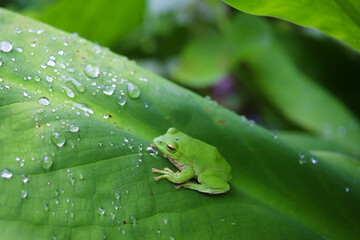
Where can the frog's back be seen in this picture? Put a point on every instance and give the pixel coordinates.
(210, 159)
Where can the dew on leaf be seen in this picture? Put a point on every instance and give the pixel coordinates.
(6, 46)
(25, 178)
(82, 107)
(50, 63)
(44, 101)
(78, 86)
(58, 139)
(122, 100)
(101, 211)
(73, 128)
(133, 90)
(109, 91)
(6, 173)
(23, 193)
(151, 151)
(49, 79)
(37, 78)
(46, 163)
(72, 181)
(70, 93)
(92, 71)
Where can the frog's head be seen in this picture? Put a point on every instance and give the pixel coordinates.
(169, 143)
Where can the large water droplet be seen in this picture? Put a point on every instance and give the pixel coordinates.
(79, 86)
(73, 128)
(82, 107)
(44, 101)
(122, 100)
(151, 151)
(92, 71)
(109, 90)
(37, 78)
(70, 93)
(58, 139)
(6, 46)
(50, 63)
(6, 173)
(46, 163)
(133, 90)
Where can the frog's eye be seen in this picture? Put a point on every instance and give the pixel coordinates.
(170, 148)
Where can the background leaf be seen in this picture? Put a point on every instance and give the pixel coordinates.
(74, 164)
(105, 22)
(337, 18)
(299, 98)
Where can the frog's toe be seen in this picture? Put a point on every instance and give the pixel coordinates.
(168, 169)
(178, 186)
(154, 170)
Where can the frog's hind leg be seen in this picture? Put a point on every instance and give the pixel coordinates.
(208, 184)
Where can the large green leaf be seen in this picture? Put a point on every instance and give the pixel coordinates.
(337, 18)
(74, 166)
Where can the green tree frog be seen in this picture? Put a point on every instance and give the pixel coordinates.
(194, 159)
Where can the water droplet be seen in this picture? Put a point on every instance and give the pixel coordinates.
(133, 90)
(314, 160)
(165, 220)
(132, 220)
(109, 90)
(58, 139)
(101, 211)
(6, 46)
(50, 63)
(82, 107)
(72, 181)
(47, 163)
(60, 52)
(44, 101)
(73, 128)
(70, 93)
(347, 189)
(100, 143)
(19, 49)
(122, 100)
(6, 173)
(78, 86)
(117, 195)
(92, 71)
(23, 194)
(151, 151)
(49, 79)
(113, 216)
(37, 78)
(25, 178)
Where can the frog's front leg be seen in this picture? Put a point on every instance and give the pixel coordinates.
(186, 173)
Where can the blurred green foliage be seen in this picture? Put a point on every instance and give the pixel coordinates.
(283, 76)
